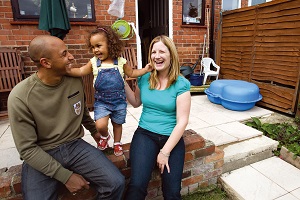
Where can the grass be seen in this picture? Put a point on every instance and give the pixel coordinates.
(209, 193)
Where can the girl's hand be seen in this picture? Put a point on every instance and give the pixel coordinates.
(148, 67)
(162, 162)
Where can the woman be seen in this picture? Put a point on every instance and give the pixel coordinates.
(166, 99)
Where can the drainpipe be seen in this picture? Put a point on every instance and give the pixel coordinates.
(138, 46)
(212, 27)
(137, 35)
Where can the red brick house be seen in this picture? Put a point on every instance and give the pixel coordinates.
(155, 17)
(186, 21)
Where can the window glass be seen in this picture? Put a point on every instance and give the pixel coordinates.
(193, 12)
(255, 2)
(78, 10)
(230, 4)
(29, 7)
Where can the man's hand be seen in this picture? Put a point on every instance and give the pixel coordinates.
(97, 137)
(76, 182)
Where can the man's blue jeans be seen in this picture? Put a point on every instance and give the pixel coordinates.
(144, 149)
(81, 158)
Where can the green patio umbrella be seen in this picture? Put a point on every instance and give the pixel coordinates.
(54, 18)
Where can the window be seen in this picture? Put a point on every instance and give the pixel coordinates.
(255, 2)
(193, 12)
(29, 10)
(231, 4)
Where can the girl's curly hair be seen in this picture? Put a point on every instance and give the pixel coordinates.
(115, 45)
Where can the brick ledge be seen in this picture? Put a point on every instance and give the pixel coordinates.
(202, 167)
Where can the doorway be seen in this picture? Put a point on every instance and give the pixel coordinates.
(153, 21)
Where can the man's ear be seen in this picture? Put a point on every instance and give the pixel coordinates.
(45, 62)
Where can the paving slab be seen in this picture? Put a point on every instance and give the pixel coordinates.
(249, 184)
(196, 123)
(268, 179)
(248, 147)
(239, 130)
(217, 136)
(9, 157)
(287, 197)
(296, 193)
(6, 140)
(214, 118)
(282, 173)
(4, 125)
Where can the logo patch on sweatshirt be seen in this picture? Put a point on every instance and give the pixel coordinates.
(77, 108)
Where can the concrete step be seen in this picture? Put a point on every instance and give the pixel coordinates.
(246, 152)
(269, 179)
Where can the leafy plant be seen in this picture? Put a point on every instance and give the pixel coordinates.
(286, 134)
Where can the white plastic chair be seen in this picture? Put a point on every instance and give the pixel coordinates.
(205, 66)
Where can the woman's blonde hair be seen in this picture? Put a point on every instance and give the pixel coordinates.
(174, 70)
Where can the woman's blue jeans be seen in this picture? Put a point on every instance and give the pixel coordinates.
(81, 158)
(144, 149)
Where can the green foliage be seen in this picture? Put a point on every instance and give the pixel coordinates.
(287, 135)
(297, 119)
(214, 194)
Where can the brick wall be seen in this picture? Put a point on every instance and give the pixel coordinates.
(19, 34)
(202, 167)
(188, 39)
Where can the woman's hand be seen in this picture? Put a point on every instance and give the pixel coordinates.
(163, 161)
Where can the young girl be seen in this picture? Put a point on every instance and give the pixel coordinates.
(108, 69)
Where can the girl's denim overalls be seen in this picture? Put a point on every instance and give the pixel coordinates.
(110, 98)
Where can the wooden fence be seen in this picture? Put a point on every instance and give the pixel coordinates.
(261, 44)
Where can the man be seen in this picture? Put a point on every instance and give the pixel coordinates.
(46, 111)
